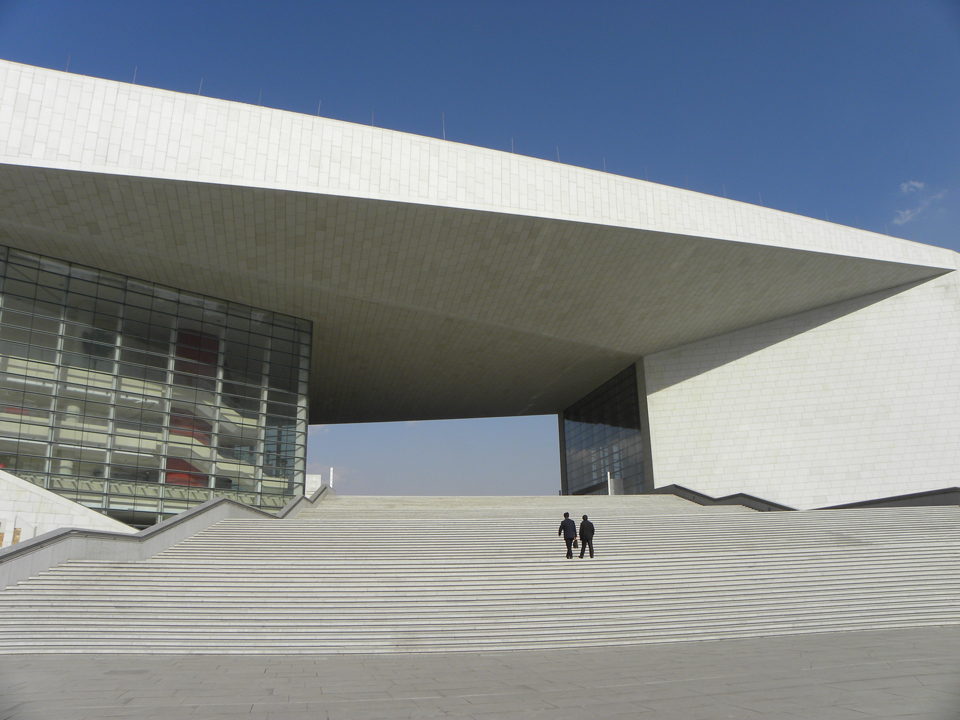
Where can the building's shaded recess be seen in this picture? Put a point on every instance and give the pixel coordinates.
(602, 436)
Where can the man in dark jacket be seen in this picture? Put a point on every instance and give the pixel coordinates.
(586, 536)
(568, 528)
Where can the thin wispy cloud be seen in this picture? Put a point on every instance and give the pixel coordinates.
(905, 216)
(908, 188)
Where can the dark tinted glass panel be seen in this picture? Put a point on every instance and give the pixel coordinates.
(602, 435)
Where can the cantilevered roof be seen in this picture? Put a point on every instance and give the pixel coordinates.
(442, 280)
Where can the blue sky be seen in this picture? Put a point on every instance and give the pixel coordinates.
(844, 110)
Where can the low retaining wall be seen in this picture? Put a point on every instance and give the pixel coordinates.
(29, 558)
(754, 503)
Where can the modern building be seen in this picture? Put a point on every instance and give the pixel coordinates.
(187, 282)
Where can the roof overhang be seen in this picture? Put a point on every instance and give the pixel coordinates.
(427, 312)
(442, 303)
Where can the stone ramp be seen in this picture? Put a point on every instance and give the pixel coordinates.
(489, 574)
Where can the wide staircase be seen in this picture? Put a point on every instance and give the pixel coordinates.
(363, 574)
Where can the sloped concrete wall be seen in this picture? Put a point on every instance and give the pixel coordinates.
(846, 403)
(34, 511)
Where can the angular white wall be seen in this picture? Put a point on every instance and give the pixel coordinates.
(849, 402)
(34, 511)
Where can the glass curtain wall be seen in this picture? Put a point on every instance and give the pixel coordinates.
(141, 401)
(602, 435)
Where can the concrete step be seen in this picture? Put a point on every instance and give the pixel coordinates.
(307, 613)
(474, 574)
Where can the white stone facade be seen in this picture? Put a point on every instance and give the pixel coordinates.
(32, 511)
(57, 120)
(808, 363)
(444, 280)
(847, 403)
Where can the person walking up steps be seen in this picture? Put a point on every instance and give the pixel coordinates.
(586, 536)
(568, 528)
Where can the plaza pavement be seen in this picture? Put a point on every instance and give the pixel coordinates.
(903, 673)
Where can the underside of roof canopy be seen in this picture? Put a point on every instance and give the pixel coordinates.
(442, 280)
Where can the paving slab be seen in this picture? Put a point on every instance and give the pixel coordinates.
(907, 673)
